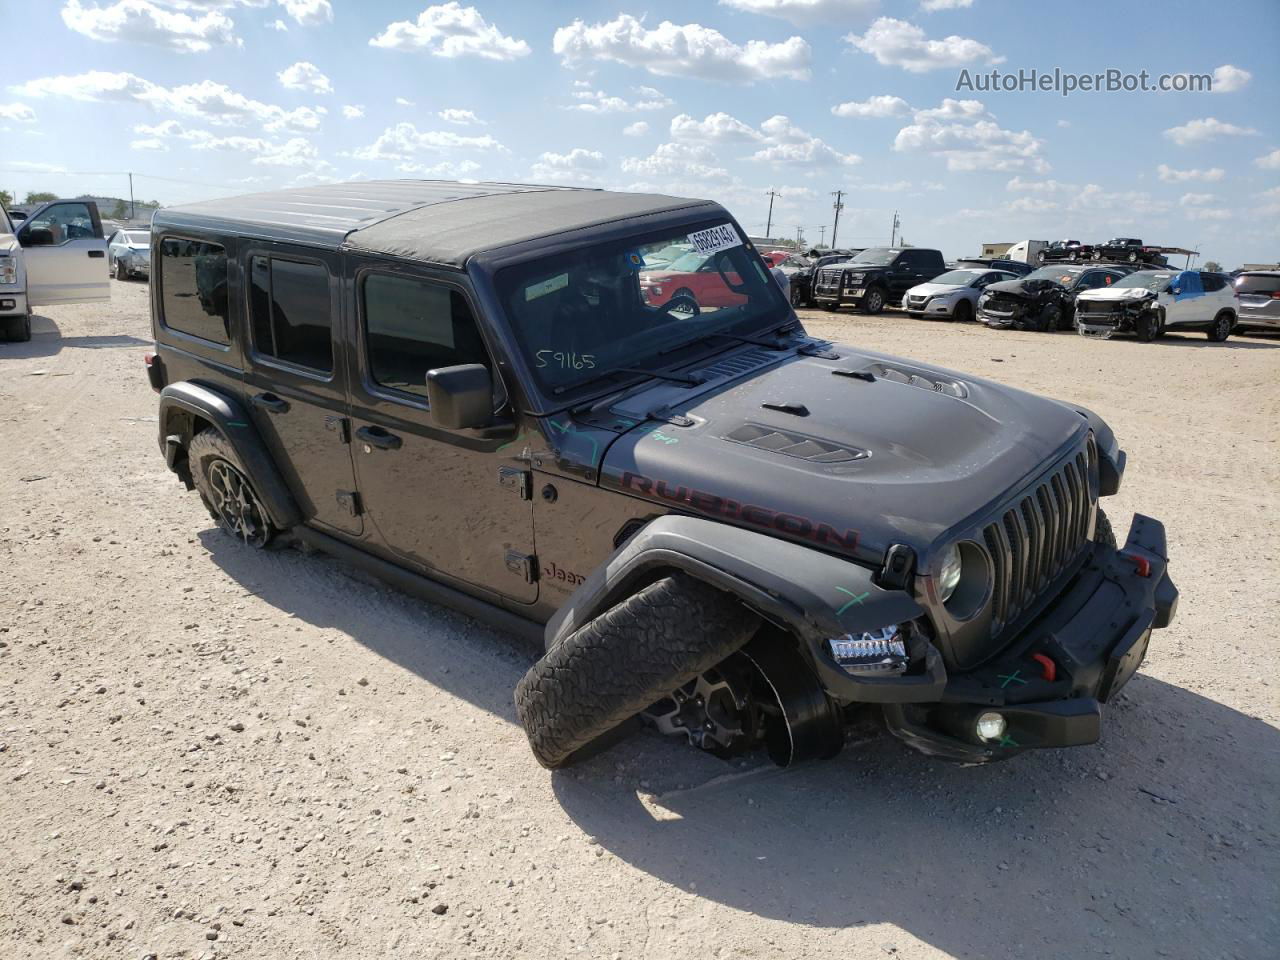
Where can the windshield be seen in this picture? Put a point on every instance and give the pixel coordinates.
(687, 263)
(5, 225)
(591, 310)
(665, 255)
(141, 239)
(877, 256)
(1063, 275)
(1264, 284)
(1146, 280)
(958, 278)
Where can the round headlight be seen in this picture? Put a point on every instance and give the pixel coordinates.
(949, 573)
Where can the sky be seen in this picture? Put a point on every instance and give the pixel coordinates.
(889, 101)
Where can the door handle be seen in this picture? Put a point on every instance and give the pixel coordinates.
(377, 437)
(271, 403)
(97, 254)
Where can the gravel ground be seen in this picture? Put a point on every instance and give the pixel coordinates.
(211, 752)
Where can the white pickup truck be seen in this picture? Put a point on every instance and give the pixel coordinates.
(56, 255)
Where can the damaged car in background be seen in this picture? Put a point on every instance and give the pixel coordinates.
(1042, 301)
(1150, 302)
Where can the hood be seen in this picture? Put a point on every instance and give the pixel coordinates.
(1116, 293)
(935, 289)
(856, 466)
(1024, 288)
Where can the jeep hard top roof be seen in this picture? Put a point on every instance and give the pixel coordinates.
(436, 221)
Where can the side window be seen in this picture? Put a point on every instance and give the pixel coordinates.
(413, 326)
(1212, 282)
(193, 288)
(291, 312)
(58, 224)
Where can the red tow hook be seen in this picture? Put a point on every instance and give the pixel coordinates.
(1141, 564)
(1048, 669)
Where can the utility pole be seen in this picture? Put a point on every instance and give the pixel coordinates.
(822, 235)
(768, 227)
(133, 211)
(893, 231)
(839, 205)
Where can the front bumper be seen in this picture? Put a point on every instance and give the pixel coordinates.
(1050, 681)
(13, 303)
(1000, 317)
(932, 307)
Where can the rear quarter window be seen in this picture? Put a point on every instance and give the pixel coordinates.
(193, 288)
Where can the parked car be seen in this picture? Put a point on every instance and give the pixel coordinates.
(56, 255)
(1258, 299)
(1016, 267)
(799, 271)
(129, 254)
(1069, 250)
(692, 282)
(876, 276)
(953, 295)
(659, 259)
(743, 533)
(1025, 251)
(1043, 300)
(1149, 302)
(1126, 250)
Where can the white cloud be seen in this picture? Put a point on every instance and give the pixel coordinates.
(791, 146)
(141, 21)
(304, 76)
(1196, 199)
(576, 166)
(688, 50)
(353, 111)
(462, 118)
(637, 129)
(1064, 124)
(445, 169)
(930, 6)
(694, 161)
(715, 128)
(1208, 213)
(809, 13)
(1169, 175)
(1018, 184)
(404, 141)
(295, 152)
(149, 143)
(969, 138)
(1229, 79)
(1204, 130)
(212, 101)
(402, 102)
(896, 43)
(881, 106)
(1094, 199)
(1269, 161)
(19, 112)
(451, 30)
(597, 101)
(279, 25)
(309, 13)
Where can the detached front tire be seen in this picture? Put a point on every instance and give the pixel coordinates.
(626, 659)
(226, 490)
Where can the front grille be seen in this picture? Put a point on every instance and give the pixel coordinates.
(1034, 540)
(1003, 305)
(1099, 312)
(829, 278)
(917, 301)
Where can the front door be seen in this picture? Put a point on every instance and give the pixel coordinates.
(451, 504)
(295, 377)
(1188, 304)
(65, 254)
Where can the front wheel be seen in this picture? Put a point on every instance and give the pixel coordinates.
(121, 272)
(1133, 256)
(226, 490)
(1146, 327)
(1221, 328)
(963, 312)
(873, 302)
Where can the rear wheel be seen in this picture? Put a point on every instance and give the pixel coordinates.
(1221, 328)
(226, 491)
(1133, 256)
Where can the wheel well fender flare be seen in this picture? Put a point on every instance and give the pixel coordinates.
(184, 403)
(811, 594)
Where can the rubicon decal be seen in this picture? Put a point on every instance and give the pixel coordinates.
(701, 501)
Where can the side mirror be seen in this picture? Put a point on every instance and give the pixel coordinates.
(1176, 291)
(461, 397)
(36, 237)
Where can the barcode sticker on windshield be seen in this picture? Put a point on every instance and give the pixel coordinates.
(715, 239)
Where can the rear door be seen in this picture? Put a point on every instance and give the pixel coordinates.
(65, 254)
(295, 376)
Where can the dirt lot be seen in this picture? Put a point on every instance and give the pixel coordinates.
(208, 751)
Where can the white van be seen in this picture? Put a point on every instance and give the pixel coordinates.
(56, 255)
(1026, 250)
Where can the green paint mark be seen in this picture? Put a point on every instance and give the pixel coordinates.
(1010, 678)
(1008, 741)
(855, 602)
(236, 423)
(572, 428)
(510, 443)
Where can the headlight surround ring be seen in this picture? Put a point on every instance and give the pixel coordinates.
(963, 579)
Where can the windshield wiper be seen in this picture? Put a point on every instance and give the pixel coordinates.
(638, 371)
(775, 344)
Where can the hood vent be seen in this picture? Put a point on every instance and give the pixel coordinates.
(951, 388)
(738, 364)
(793, 445)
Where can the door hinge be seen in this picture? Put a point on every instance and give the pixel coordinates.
(523, 564)
(513, 478)
(349, 500)
(339, 425)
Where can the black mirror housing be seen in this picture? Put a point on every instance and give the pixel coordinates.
(461, 397)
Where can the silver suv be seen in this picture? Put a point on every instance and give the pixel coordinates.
(1258, 299)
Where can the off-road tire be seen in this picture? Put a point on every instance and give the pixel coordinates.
(1222, 327)
(873, 306)
(1103, 533)
(17, 329)
(206, 448)
(629, 657)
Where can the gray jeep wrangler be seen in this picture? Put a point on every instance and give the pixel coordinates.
(740, 534)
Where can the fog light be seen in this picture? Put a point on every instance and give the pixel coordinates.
(990, 726)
